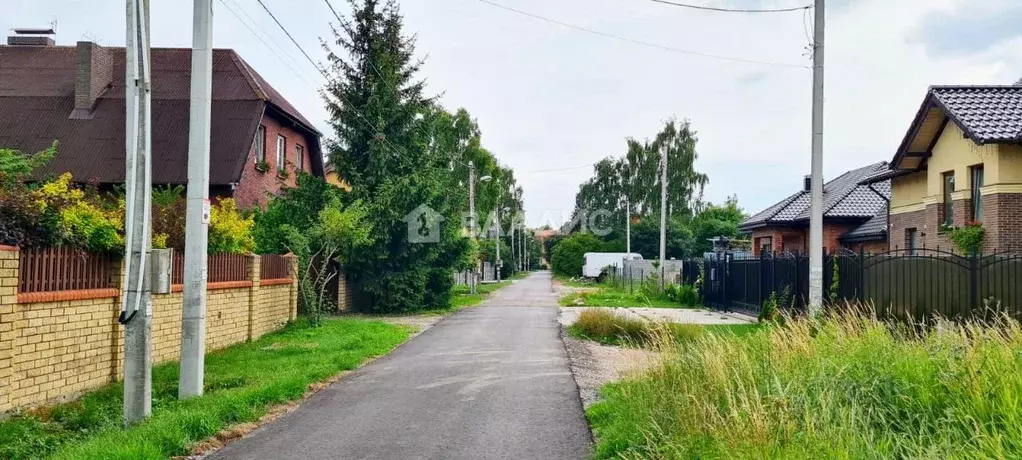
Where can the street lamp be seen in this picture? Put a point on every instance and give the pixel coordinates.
(497, 242)
(472, 212)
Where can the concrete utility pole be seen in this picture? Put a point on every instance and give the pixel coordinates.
(496, 245)
(663, 204)
(514, 256)
(472, 217)
(197, 213)
(628, 228)
(521, 247)
(816, 193)
(136, 310)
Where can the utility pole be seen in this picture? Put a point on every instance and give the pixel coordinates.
(663, 204)
(137, 218)
(628, 228)
(514, 256)
(521, 247)
(496, 245)
(816, 193)
(197, 213)
(472, 217)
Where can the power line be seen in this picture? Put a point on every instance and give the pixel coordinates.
(640, 42)
(736, 10)
(590, 165)
(291, 66)
(293, 40)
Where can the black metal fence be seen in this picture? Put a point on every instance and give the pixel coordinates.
(908, 285)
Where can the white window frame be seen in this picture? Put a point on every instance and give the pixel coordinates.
(299, 157)
(281, 152)
(260, 144)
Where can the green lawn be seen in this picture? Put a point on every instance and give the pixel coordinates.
(613, 296)
(610, 328)
(461, 296)
(575, 282)
(853, 388)
(242, 382)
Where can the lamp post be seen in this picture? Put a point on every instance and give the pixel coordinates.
(497, 243)
(472, 213)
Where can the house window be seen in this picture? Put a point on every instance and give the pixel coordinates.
(911, 240)
(299, 157)
(280, 153)
(949, 205)
(977, 197)
(260, 144)
(766, 244)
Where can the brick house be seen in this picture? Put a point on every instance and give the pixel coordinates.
(75, 95)
(959, 163)
(854, 217)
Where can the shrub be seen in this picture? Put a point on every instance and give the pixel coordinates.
(169, 211)
(569, 254)
(968, 239)
(16, 167)
(80, 221)
(835, 387)
(688, 295)
(608, 327)
(230, 231)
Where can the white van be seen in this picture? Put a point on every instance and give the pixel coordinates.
(596, 261)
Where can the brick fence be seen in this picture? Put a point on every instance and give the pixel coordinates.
(55, 345)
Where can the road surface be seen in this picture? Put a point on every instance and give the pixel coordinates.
(489, 382)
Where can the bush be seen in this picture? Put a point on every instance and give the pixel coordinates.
(968, 239)
(81, 221)
(688, 295)
(569, 254)
(607, 327)
(229, 231)
(837, 387)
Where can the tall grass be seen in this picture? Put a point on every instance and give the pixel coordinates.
(840, 387)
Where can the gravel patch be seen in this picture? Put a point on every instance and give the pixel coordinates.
(595, 365)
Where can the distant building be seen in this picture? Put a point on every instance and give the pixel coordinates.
(75, 95)
(854, 217)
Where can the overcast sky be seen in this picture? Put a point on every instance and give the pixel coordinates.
(549, 97)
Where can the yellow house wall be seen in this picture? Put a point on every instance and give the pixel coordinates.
(1009, 165)
(908, 192)
(955, 152)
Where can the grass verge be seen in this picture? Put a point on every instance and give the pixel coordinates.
(610, 296)
(611, 328)
(851, 387)
(462, 297)
(242, 382)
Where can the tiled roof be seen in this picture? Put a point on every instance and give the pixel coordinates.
(875, 228)
(37, 93)
(842, 198)
(986, 113)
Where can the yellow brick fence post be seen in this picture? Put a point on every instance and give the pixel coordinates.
(9, 314)
(254, 270)
(292, 272)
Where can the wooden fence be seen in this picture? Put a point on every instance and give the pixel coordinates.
(63, 269)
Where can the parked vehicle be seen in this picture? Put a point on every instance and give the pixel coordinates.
(595, 262)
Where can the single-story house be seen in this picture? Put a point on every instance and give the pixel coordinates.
(854, 216)
(959, 164)
(75, 95)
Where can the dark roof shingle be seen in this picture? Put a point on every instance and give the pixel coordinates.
(843, 197)
(986, 113)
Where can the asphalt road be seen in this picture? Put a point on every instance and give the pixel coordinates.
(489, 382)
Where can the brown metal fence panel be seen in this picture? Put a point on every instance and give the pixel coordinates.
(227, 267)
(63, 269)
(177, 268)
(273, 266)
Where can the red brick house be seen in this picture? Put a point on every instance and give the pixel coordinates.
(75, 95)
(854, 217)
(959, 164)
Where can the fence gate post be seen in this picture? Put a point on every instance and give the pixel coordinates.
(862, 276)
(9, 314)
(974, 300)
(292, 272)
(254, 275)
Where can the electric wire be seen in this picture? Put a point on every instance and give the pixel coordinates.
(736, 10)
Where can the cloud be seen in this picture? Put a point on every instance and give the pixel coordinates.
(969, 27)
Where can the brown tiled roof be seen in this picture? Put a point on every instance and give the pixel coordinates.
(37, 96)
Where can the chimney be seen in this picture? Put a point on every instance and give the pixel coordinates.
(32, 37)
(93, 75)
(808, 183)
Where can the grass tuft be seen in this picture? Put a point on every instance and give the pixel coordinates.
(838, 387)
(611, 328)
